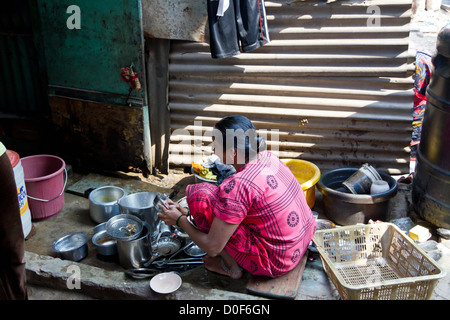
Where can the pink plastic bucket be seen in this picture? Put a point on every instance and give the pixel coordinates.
(43, 175)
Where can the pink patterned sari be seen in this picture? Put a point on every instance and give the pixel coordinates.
(267, 202)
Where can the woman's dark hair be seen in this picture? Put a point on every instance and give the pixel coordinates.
(244, 135)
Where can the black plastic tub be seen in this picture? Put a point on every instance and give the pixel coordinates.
(346, 208)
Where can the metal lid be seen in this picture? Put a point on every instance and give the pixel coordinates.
(124, 227)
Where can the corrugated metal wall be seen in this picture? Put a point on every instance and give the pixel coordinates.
(337, 88)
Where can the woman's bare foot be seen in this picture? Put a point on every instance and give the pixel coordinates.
(218, 265)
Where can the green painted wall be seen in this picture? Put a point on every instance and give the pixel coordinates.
(85, 63)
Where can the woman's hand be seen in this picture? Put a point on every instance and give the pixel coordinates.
(212, 242)
(170, 216)
(178, 206)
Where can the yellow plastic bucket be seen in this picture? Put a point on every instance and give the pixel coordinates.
(307, 174)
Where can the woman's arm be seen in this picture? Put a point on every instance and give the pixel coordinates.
(212, 242)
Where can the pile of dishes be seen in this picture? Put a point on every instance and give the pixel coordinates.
(139, 244)
(128, 227)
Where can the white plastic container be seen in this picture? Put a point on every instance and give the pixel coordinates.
(25, 212)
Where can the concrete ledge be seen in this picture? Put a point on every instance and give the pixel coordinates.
(95, 282)
(48, 272)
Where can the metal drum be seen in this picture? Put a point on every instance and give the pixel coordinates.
(431, 183)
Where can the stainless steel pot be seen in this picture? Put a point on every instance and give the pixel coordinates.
(103, 203)
(136, 253)
(72, 246)
(141, 204)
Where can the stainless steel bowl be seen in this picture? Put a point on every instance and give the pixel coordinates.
(100, 227)
(105, 245)
(194, 251)
(72, 246)
(103, 203)
(199, 179)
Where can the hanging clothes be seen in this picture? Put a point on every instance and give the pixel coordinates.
(236, 25)
(223, 6)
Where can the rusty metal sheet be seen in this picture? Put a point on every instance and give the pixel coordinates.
(336, 90)
(175, 19)
(101, 133)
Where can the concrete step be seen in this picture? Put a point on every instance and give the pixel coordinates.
(53, 278)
